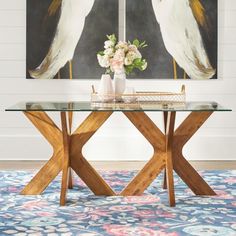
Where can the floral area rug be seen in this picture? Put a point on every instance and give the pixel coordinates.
(147, 215)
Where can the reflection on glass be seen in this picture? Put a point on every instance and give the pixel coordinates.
(116, 106)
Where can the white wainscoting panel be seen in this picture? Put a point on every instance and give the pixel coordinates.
(117, 139)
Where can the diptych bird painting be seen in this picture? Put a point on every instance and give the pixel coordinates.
(179, 23)
(181, 34)
(68, 33)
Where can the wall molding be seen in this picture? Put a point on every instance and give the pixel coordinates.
(20, 141)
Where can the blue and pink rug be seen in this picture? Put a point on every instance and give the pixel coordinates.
(147, 215)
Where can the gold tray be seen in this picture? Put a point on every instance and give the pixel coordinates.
(140, 97)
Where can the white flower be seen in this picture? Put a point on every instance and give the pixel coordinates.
(128, 61)
(138, 54)
(131, 55)
(119, 55)
(117, 62)
(108, 44)
(123, 45)
(133, 48)
(109, 52)
(104, 61)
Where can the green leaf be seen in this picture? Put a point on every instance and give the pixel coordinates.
(144, 65)
(136, 43)
(137, 61)
(143, 45)
(108, 71)
(112, 37)
(129, 69)
(101, 53)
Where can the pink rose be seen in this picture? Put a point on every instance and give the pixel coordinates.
(117, 62)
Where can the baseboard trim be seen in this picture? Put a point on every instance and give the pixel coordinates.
(118, 165)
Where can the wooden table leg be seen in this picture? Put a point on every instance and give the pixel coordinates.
(78, 163)
(165, 116)
(45, 176)
(67, 153)
(167, 149)
(52, 168)
(169, 155)
(157, 163)
(71, 182)
(164, 184)
(70, 122)
(66, 159)
(182, 167)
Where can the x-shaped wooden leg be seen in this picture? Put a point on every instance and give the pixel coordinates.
(67, 153)
(169, 133)
(157, 163)
(77, 161)
(53, 167)
(181, 166)
(162, 157)
(168, 154)
(74, 158)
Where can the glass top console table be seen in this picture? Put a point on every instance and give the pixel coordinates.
(68, 146)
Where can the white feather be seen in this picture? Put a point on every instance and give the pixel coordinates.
(68, 33)
(182, 38)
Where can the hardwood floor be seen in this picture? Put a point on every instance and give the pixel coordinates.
(118, 165)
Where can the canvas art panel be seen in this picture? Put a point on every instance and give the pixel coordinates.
(60, 31)
(182, 37)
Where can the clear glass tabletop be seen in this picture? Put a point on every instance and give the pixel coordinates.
(116, 106)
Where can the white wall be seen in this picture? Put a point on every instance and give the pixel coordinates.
(117, 140)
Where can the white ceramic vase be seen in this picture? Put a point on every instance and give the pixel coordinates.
(106, 91)
(119, 83)
(129, 99)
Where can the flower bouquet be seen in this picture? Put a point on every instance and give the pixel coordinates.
(121, 56)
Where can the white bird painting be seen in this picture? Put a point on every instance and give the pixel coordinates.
(67, 36)
(179, 23)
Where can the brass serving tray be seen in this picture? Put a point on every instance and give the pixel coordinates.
(140, 97)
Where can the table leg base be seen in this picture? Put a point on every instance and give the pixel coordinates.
(45, 176)
(181, 166)
(167, 154)
(70, 184)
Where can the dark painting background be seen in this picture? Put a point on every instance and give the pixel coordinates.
(141, 23)
(102, 20)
